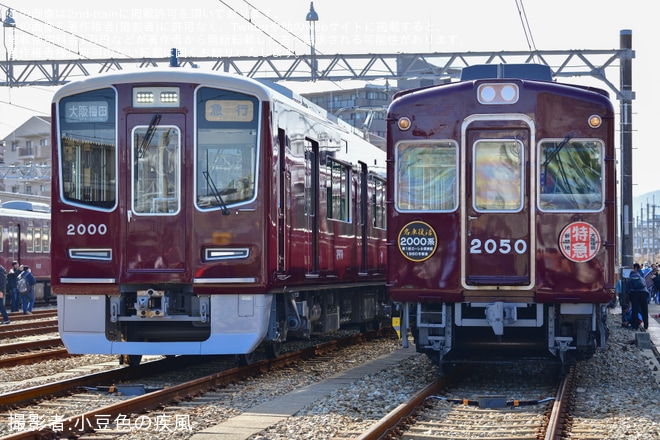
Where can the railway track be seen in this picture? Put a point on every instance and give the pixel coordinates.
(429, 414)
(460, 411)
(39, 322)
(26, 340)
(32, 402)
(41, 354)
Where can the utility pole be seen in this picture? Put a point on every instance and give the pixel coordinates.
(312, 18)
(648, 232)
(627, 95)
(655, 247)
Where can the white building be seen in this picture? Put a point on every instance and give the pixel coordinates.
(25, 162)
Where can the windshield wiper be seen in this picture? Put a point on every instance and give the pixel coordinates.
(554, 155)
(556, 151)
(149, 135)
(215, 192)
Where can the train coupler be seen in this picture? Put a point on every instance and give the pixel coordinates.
(151, 303)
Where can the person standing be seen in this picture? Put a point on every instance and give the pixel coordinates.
(28, 297)
(639, 295)
(3, 287)
(656, 284)
(12, 291)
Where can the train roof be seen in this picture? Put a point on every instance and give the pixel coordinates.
(537, 72)
(19, 213)
(262, 89)
(24, 205)
(525, 72)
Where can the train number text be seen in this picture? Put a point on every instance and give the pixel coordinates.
(82, 229)
(504, 246)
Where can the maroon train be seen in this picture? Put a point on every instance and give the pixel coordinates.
(502, 215)
(25, 237)
(201, 213)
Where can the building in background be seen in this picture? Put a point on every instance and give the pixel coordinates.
(646, 233)
(25, 168)
(364, 107)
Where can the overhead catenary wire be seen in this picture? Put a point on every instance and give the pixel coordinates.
(258, 27)
(79, 37)
(531, 45)
(278, 24)
(249, 20)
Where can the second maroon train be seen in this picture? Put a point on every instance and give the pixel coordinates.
(25, 235)
(502, 219)
(199, 213)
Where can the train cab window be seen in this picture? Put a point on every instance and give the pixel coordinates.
(425, 177)
(87, 130)
(156, 170)
(338, 190)
(226, 154)
(571, 175)
(498, 175)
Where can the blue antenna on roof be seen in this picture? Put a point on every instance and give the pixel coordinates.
(174, 61)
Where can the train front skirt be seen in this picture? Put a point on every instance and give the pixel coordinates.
(238, 323)
(448, 332)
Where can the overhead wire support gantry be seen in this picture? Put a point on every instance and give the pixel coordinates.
(337, 67)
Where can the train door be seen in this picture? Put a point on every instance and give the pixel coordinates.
(155, 206)
(363, 217)
(312, 205)
(497, 244)
(283, 202)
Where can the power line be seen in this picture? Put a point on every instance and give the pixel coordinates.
(249, 20)
(260, 29)
(525, 24)
(23, 107)
(61, 30)
(339, 86)
(77, 53)
(279, 25)
(52, 43)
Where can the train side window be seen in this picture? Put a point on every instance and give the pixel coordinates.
(29, 238)
(45, 240)
(571, 175)
(12, 238)
(378, 202)
(88, 139)
(338, 190)
(37, 240)
(498, 175)
(425, 177)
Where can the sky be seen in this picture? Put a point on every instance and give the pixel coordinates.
(149, 28)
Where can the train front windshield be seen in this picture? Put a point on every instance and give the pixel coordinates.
(88, 148)
(227, 125)
(571, 174)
